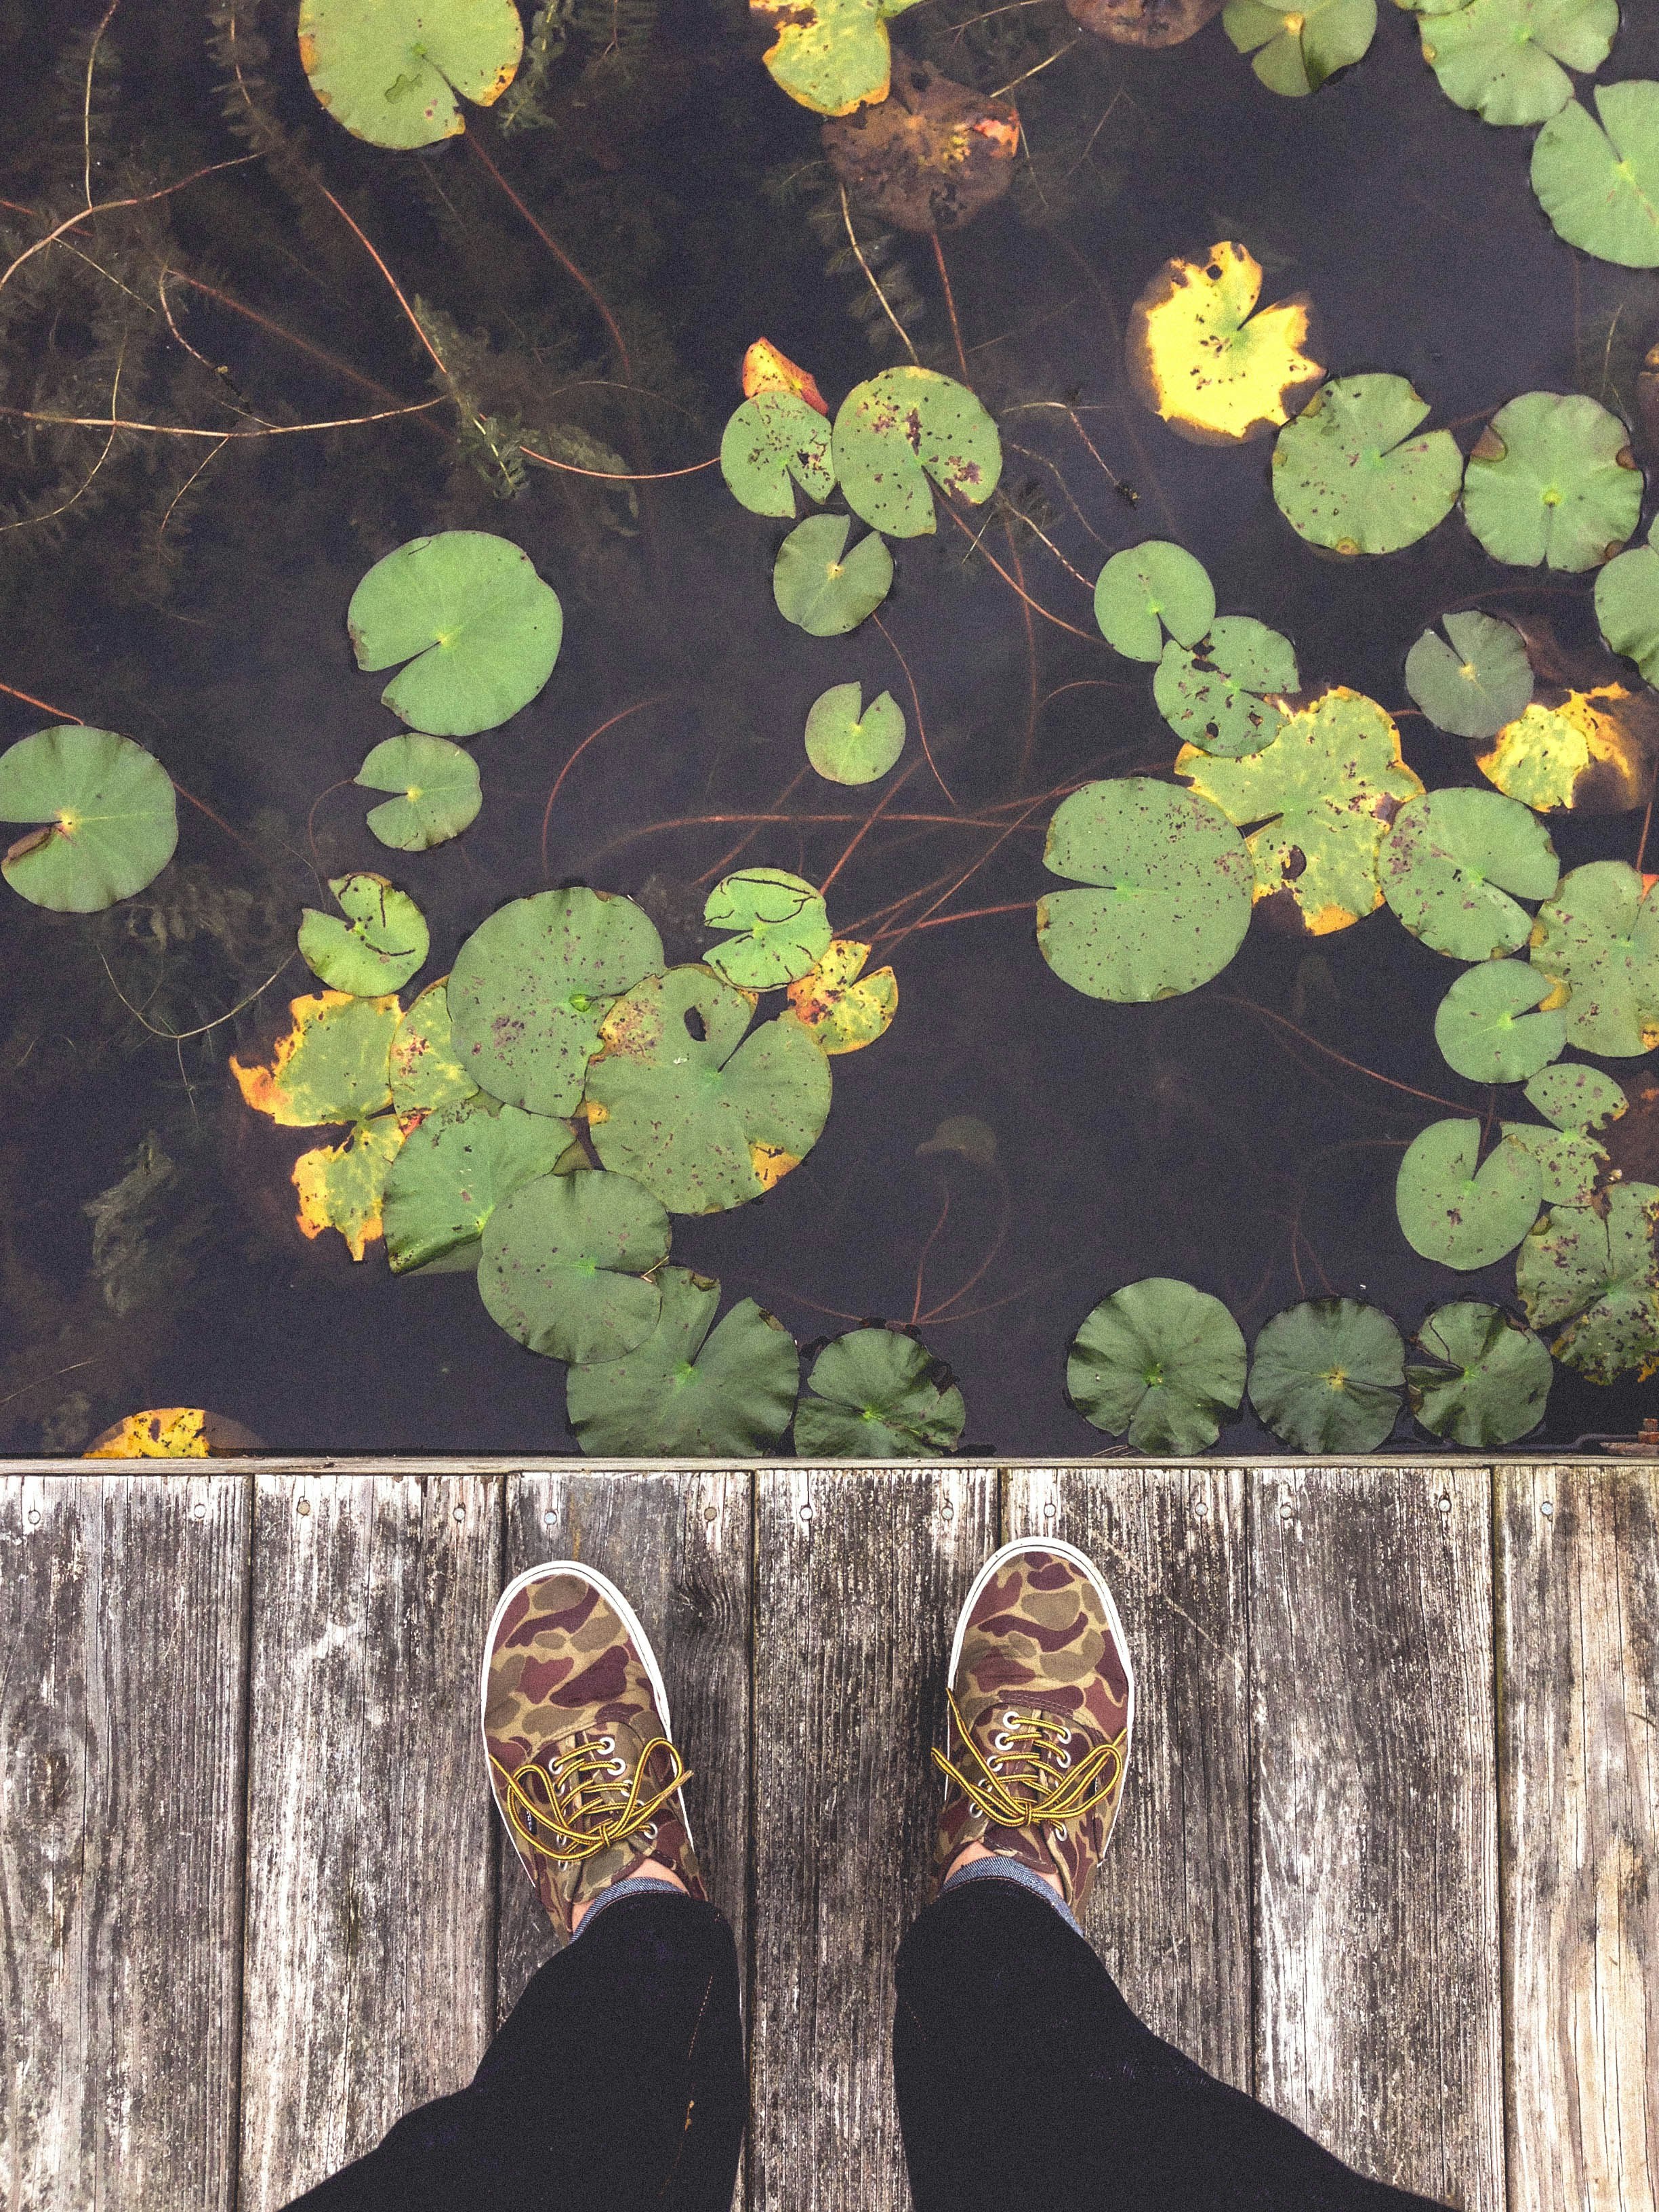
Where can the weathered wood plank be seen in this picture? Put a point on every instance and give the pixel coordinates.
(1377, 1995)
(859, 1577)
(122, 1659)
(1578, 1562)
(1171, 1913)
(370, 1979)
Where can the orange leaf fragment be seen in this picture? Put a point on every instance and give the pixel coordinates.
(766, 369)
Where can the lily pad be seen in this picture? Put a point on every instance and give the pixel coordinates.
(904, 431)
(1600, 1274)
(772, 443)
(1160, 1360)
(438, 787)
(1486, 1028)
(1502, 58)
(1599, 182)
(702, 1115)
(1588, 751)
(477, 626)
(1349, 473)
(1327, 1376)
(781, 925)
(565, 1262)
(844, 1009)
(849, 742)
(820, 587)
(107, 818)
(455, 1169)
(1553, 478)
(378, 945)
(1449, 862)
(877, 1394)
(1169, 895)
(425, 1069)
(1484, 1380)
(1324, 793)
(1575, 1098)
(931, 156)
(1200, 355)
(1147, 591)
(1296, 49)
(333, 1064)
(688, 1393)
(1599, 938)
(1213, 695)
(1459, 1209)
(343, 1185)
(1478, 682)
(828, 55)
(396, 71)
(1627, 605)
(1570, 1163)
(533, 984)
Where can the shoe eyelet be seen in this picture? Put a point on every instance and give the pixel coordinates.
(1059, 1832)
(607, 1744)
(1010, 1720)
(619, 1766)
(1063, 1758)
(1065, 1736)
(1000, 1742)
(649, 1832)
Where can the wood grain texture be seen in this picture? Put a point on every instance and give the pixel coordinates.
(1578, 1563)
(370, 1965)
(858, 1578)
(122, 1679)
(1377, 1984)
(1170, 1913)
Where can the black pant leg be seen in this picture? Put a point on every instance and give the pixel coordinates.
(1025, 2081)
(617, 2082)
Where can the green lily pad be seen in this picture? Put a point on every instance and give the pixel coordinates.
(1502, 58)
(1599, 936)
(819, 590)
(1599, 1274)
(1348, 473)
(1552, 479)
(1575, 1098)
(333, 1064)
(1627, 605)
(699, 1113)
(1169, 895)
(772, 443)
(1297, 49)
(686, 1393)
(1570, 1163)
(1327, 1376)
(1486, 1031)
(1212, 695)
(378, 945)
(783, 930)
(1160, 1360)
(901, 429)
(426, 1068)
(1484, 1379)
(877, 1394)
(533, 984)
(565, 1262)
(478, 627)
(438, 788)
(1476, 684)
(344, 1185)
(1148, 590)
(831, 56)
(456, 1169)
(1451, 1209)
(108, 820)
(1449, 863)
(1599, 182)
(395, 71)
(1323, 793)
(847, 743)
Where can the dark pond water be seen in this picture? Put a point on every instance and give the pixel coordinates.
(147, 1250)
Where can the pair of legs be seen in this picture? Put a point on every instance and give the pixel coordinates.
(1023, 2078)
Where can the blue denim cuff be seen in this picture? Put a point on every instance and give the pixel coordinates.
(1003, 1870)
(637, 1885)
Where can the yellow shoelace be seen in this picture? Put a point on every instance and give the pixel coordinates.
(582, 1806)
(1033, 1760)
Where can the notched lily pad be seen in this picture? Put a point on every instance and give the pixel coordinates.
(1575, 1097)
(1327, 1374)
(566, 1265)
(1627, 605)
(437, 784)
(1599, 182)
(1350, 474)
(1598, 939)
(1148, 590)
(688, 1392)
(1461, 1210)
(772, 443)
(1201, 355)
(396, 71)
(107, 820)
(1597, 1271)
(454, 1170)
(1160, 1361)
(877, 1394)
(376, 948)
(1503, 58)
(844, 1009)
(848, 743)
(333, 1064)
(425, 1069)
(782, 929)
(477, 626)
(1486, 1029)
(828, 55)
(344, 1185)
(930, 155)
(1593, 751)
(1296, 49)
(822, 588)
(1220, 694)
(1552, 479)
(1450, 861)
(903, 432)
(1471, 687)
(1483, 1379)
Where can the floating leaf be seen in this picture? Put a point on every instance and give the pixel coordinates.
(1627, 605)
(877, 1394)
(1212, 696)
(1502, 57)
(438, 784)
(1300, 48)
(843, 1013)
(829, 55)
(965, 1135)
(483, 627)
(819, 590)
(1449, 862)
(455, 1169)
(172, 1432)
(1589, 750)
(687, 1394)
(342, 1186)
(334, 1065)
(565, 1262)
(1348, 473)
(378, 945)
(1464, 1214)
(1552, 479)
(1327, 1376)
(533, 984)
(108, 820)
(685, 1103)
(395, 71)
(847, 743)
(1147, 590)
(1575, 1098)
(1485, 1028)
(781, 925)
(772, 443)
(1171, 897)
(1485, 1380)
(767, 368)
(1202, 358)
(1598, 183)
(425, 1069)
(1161, 1360)
(1569, 1165)
(1600, 1274)
(929, 157)
(903, 429)
(1324, 792)
(1478, 682)
(1599, 938)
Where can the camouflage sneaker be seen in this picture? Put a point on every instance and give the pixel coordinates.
(575, 1725)
(1041, 1702)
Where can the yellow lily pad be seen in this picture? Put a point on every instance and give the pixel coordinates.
(343, 1185)
(1200, 355)
(334, 1065)
(843, 1013)
(1591, 751)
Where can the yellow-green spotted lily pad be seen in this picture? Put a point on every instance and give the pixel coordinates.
(478, 628)
(1591, 751)
(344, 1185)
(690, 1391)
(877, 1394)
(902, 433)
(831, 56)
(396, 71)
(1451, 859)
(334, 1064)
(842, 1007)
(1598, 939)
(455, 1169)
(1221, 694)
(1217, 369)
(107, 821)
(771, 443)
(1597, 1271)
(1459, 1209)
(426, 1068)
(377, 947)
(1353, 471)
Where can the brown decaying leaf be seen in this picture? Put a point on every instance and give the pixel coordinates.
(928, 157)
(1144, 22)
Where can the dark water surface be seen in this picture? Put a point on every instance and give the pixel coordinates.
(1193, 1138)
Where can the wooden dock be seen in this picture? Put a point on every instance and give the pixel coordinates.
(1388, 1855)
